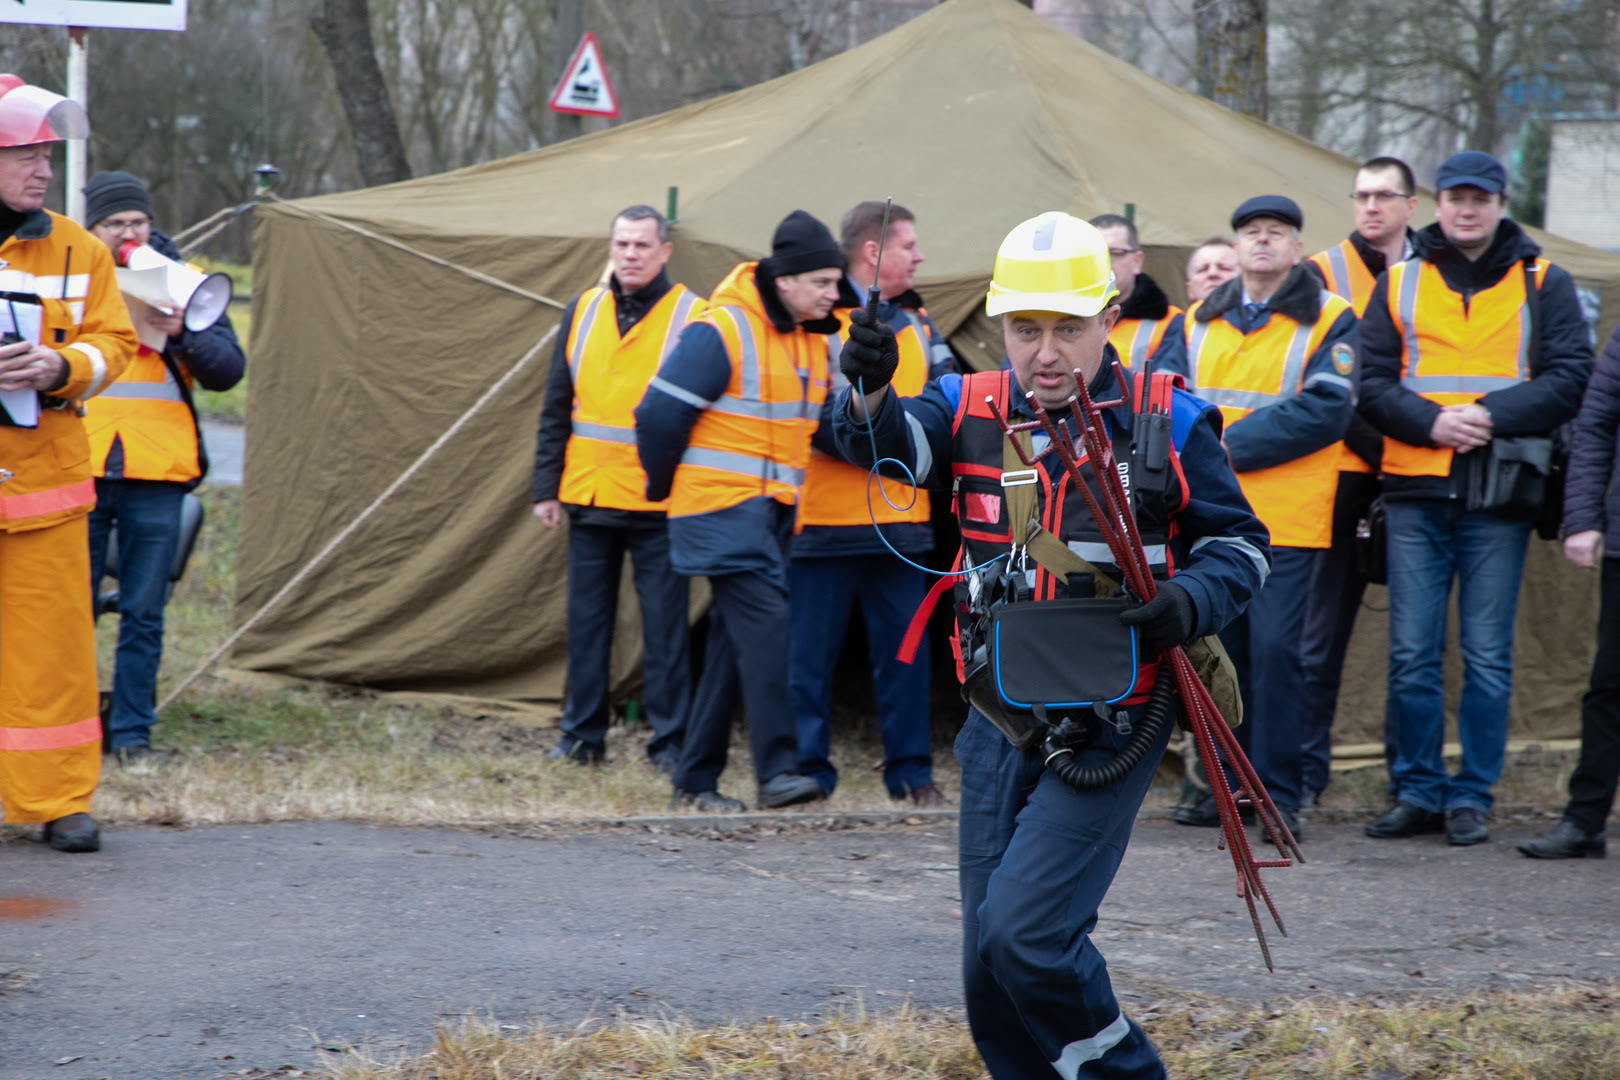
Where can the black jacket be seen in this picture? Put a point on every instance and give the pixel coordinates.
(1591, 501)
(1537, 406)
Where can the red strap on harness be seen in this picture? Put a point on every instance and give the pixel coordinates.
(907, 653)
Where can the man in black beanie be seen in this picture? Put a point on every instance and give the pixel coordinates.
(724, 433)
(146, 452)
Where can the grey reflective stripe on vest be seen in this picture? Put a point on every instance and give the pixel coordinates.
(576, 351)
(1139, 342)
(758, 468)
(604, 432)
(1094, 551)
(1340, 270)
(748, 375)
(1287, 386)
(677, 323)
(144, 391)
(1414, 380)
(1195, 345)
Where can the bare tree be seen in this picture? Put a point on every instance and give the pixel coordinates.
(344, 30)
(1230, 58)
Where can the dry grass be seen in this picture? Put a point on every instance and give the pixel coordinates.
(1566, 1034)
(306, 752)
(251, 754)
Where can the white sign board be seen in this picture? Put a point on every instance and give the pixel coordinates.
(584, 89)
(117, 14)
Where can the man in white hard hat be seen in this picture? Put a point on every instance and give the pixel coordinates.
(1037, 855)
(68, 339)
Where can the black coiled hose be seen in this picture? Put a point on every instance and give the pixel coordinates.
(1061, 760)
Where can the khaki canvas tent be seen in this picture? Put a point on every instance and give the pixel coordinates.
(382, 315)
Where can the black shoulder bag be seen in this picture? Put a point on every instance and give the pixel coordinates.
(1521, 477)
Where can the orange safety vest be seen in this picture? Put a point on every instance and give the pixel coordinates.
(147, 412)
(1452, 354)
(610, 373)
(754, 440)
(45, 471)
(835, 492)
(1346, 275)
(1240, 373)
(1137, 339)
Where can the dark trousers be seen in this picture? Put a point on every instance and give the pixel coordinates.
(1036, 860)
(1264, 643)
(147, 516)
(595, 560)
(1592, 787)
(1330, 618)
(823, 594)
(745, 657)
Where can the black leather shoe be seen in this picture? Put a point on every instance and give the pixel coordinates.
(1204, 815)
(73, 833)
(1567, 841)
(1201, 814)
(1466, 826)
(708, 802)
(580, 753)
(1290, 818)
(929, 796)
(1404, 819)
(788, 789)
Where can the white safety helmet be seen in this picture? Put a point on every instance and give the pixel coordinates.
(31, 114)
(1054, 262)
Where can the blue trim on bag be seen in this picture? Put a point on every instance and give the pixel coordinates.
(996, 652)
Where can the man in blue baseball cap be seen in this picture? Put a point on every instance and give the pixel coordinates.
(1472, 350)
(1273, 350)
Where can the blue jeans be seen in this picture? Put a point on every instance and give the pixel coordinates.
(823, 593)
(1430, 544)
(147, 513)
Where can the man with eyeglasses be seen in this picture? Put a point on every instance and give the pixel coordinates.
(146, 452)
(1383, 199)
(1144, 310)
(1475, 339)
(1273, 350)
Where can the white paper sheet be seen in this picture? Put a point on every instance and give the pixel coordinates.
(23, 319)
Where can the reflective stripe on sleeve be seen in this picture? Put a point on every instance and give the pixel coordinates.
(50, 501)
(98, 368)
(742, 465)
(679, 393)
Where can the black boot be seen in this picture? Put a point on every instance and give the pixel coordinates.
(1567, 841)
(73, 833)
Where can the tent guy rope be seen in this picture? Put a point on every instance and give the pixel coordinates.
(494, 390)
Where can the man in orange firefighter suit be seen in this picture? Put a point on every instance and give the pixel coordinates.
(724, 433)
(147, 451)
(76, 339)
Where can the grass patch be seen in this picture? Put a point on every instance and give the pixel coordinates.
(1565, 1034)
(252, 754)
(312, 751)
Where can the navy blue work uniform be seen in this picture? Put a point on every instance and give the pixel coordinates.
(1036, 856)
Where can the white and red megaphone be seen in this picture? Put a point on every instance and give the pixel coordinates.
(153, 278)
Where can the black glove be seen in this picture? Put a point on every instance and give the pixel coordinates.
(1165, 621)
(870, 355)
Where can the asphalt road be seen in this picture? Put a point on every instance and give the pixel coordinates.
(225, 443)
(195, 953)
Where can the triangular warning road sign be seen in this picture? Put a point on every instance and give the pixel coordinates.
(585, 88)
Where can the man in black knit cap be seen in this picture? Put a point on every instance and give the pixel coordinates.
(724, 433)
